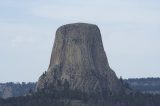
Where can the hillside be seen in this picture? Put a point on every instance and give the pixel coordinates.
(11, 89)
(144, 85)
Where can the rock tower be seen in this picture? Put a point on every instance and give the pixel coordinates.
(78, 57)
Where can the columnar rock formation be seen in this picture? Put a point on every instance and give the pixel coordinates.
(78, 57)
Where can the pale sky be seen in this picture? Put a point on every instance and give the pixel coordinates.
(130, 31)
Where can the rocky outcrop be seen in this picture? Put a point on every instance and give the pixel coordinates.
(78, 57)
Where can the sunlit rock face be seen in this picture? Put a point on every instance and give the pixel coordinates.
(78, 57)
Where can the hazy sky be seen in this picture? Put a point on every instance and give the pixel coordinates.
(130, 31)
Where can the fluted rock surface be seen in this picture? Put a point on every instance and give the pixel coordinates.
(78, 57)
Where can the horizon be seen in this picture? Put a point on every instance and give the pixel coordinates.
(129, 29)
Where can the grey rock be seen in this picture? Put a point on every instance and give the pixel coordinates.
(78, 56)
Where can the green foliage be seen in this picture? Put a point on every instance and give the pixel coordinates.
(58, 98)
(64, 96)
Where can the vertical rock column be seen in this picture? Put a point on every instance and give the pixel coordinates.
(78, 57)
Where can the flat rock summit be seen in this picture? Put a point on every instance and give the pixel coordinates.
(78, 58)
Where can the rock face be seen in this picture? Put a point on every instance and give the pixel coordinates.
(78, 57)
